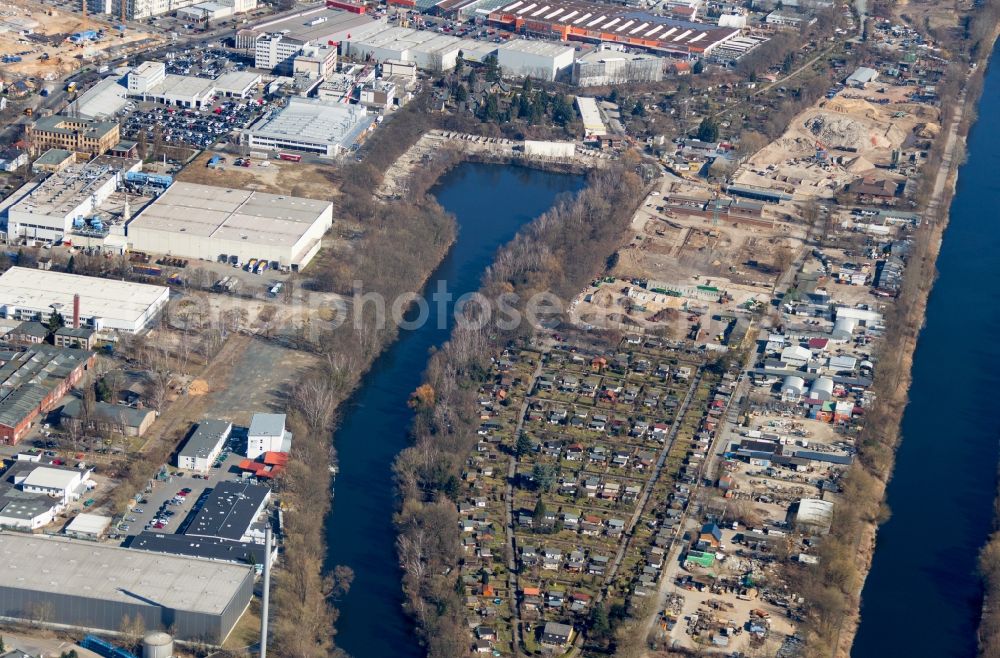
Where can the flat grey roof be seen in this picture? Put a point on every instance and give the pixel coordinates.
(110, 573)
(298, 27)
(267, 425)
(206, 436)
(204, 211)
(313, 121)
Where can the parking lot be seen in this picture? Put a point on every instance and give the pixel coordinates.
(165, 503)
(180, 126)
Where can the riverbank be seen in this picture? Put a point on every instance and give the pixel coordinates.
(877, 452)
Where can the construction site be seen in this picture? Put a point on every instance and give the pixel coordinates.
(696, 263)
(844, 138)
(39, 41)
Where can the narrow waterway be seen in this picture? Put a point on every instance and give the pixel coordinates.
(490, 203)
(922, 597)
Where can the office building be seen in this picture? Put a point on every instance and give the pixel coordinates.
(267, 433)
(88, 136)
(204, 445)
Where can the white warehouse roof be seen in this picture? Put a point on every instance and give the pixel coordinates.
(204, 211)
(314, 122)
(51, 478)
(110, 573)
(118, 304)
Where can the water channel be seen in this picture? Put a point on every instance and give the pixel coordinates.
(922, 597)
(490, 203)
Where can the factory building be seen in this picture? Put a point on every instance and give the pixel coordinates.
(610, 67)
(69, 200)
(577, 20)
(542, 60)
(94, 586)
(104, 304)
(429, 50)
(32, 381)
(317, 25)
(218, 223)
(309, 126)
(87, 136)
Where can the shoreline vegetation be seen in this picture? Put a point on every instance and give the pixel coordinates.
(305, 593)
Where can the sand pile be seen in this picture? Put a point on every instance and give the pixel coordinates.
(198, 387)
(847, 133)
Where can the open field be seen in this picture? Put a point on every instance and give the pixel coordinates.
(313, 181)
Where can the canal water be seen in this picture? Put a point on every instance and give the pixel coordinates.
(490, 203)
(922, 597)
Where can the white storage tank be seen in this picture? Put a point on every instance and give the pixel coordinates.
(157, 645)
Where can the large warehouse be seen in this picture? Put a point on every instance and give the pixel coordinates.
(30, 294)
(89, 585)
(542, 60)
(219, 223)
(575, 20)
(310, 125)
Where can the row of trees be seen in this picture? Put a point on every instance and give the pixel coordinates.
(558, 252)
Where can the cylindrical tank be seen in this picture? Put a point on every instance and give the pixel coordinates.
(157, 645)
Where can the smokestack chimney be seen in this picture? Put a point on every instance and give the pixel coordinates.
(76, 311)
(266, 593)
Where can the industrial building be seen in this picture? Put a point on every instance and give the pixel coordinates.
(101, 101)
(542, 60)
(612, 67)
(590, 114)
(89, 585)
(576, 20)
(138, 9)
(150, 82)
(233, 511)
(204, 445)
(205, 548)
(315, 24)
(68, 201)
(32, 381)
(104, 304)
(308, 125)
(216, 223)
(80, 135)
